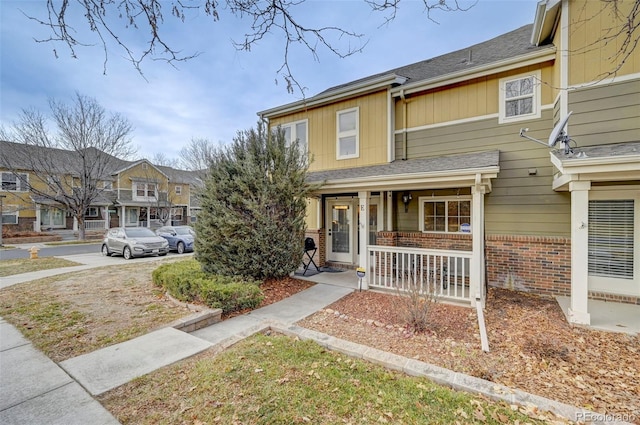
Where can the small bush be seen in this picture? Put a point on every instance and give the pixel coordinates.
(187, 282)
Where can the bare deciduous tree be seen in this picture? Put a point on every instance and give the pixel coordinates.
(267, 18)
(160, 158)
(197, 155)
(67, 169)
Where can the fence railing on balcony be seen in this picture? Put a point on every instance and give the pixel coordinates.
(442, 273)
(94, 224)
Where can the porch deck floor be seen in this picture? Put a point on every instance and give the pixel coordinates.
(346, 279)
(608, 316)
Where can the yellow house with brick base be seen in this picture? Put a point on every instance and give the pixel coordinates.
(425, 176)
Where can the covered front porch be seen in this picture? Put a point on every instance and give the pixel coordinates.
(604, 182)
(411, 225)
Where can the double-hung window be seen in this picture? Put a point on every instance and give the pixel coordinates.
(520, 97)
(445, 215)
(348, 143)
(145, 191)
(14, 182)
(297, 131)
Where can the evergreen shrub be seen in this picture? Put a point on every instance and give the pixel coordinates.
(186, 281)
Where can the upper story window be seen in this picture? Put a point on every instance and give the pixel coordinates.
(178, 190)
(145, 191)
(297, 131)
(107, 185)
(445, 215)
(347, 134)
(520, 98)
(14, 182)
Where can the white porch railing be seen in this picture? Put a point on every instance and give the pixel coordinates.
(94, 224)
(443, 273)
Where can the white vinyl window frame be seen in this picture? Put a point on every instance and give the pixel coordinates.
(92, 212)
(348, 133)
(297, 130)
(14, 182)
(463, 226)
(616, 283)
(10, 214)
(178, 190)
(145, 191)
(505, 97)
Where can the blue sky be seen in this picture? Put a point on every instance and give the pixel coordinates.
(219, 92)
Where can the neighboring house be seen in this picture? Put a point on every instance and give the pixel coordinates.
(131, 193)
(425, 178)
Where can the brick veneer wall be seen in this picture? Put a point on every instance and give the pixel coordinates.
(538, 264)
(319, 237)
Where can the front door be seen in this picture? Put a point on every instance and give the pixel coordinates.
(340, 231)
(52, 218)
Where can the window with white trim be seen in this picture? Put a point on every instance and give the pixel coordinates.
(14, 182)
(611, 238)
(107, 185)
(10, 214)
(91, 212)
(178, 190)
(348, 143)
(145, 191)
(297, 131)
(445, 215)
(520, 98)
(176, 213)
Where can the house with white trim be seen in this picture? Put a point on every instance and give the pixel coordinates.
(424, 178)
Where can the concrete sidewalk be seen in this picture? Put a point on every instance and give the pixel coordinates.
(34, 390)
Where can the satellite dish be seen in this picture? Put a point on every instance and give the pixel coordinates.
(558, 134)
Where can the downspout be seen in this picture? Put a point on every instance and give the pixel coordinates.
(404, 125)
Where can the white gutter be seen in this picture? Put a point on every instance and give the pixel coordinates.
(349, 90)
(586, 165)
(539, 56)
(545, 21)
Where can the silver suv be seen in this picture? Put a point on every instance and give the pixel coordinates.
(133, 242)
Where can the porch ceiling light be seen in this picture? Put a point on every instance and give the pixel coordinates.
(406, 198)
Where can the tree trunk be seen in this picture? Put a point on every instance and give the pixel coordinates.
(81, 230)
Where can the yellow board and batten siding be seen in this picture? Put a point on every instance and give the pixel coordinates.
(322, 131)
(590, 57)
(468, 100)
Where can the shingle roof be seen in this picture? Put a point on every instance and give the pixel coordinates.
(411, 166)
(601, 151)
(512, 44)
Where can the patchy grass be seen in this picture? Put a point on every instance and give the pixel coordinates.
(80, 242)
(274, 379)
(76, 313)
(25, 265)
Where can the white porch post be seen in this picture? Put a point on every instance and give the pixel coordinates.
(476, 277)
(389, 209)
(578, 311)
(36, 224)
(122, 212)
(106, 216)
(148, 217)
(363, 235)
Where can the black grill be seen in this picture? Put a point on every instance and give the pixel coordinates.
(309, 244)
